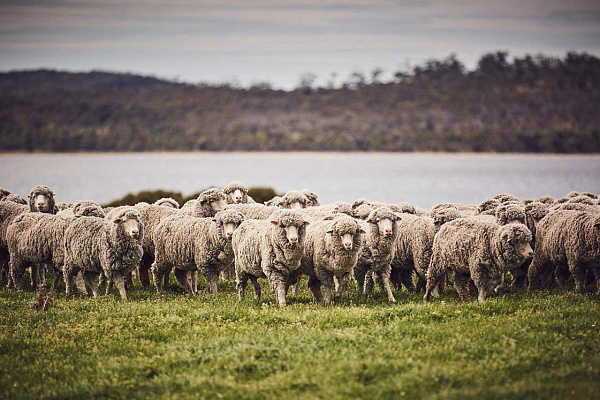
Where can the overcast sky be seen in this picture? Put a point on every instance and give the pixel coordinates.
(276, 40)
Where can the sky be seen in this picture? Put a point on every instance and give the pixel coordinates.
(247, 42)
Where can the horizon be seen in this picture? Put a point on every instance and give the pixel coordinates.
(234, 42)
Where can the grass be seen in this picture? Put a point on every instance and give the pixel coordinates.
(211, 346)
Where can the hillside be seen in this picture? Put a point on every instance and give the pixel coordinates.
(530, 104)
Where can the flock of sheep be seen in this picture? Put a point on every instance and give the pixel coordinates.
(224, 233)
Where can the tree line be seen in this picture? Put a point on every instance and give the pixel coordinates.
(528, 104)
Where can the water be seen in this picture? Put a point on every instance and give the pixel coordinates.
(422, 179)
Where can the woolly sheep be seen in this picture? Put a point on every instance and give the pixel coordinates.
(576, 207)
(505, 197)
(378, 251)
(35, 238)
(569, 241)
(237, 193)
(313, 198)
(477, 249)
(167, 202)
(331, 249)
(3, 193)
(273, 202)
(76, 209)
(194, 244)
(270, 249)
(209, 203)
(465, 210)
(444, 215)
(94, 245)
(508, 213)
(294, 200)
(548, 200)
(488, 207)
(8, 212)
(581, 199)
(363, 211)
(41, 199)
(254, 211)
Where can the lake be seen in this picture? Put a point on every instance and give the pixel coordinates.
(421, 179)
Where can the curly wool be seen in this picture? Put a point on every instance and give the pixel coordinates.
(261, 249)
(465, 210)
(45, 191)
(478, 249)
(273, 202)
(442, 216)
(359, 202)
(489, 205)
(83, 208)
(581, 199)
(95, 245)
(203, 206)
(167, 202)
(363, 211)
(3, 193)
(253, 210)
(575, 207)
(15, 198)
(548, 200)
(325, 258)
(193, 244)
(566, 239)
(506, 197)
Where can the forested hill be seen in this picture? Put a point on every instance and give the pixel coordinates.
(529, 104)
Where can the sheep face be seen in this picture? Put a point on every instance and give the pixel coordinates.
(228, 221)
(291, 225)
(384, 219)
(348, 231)
(294, 200)
(237, 196)
(516, 243)
(218, 205)
(131, 226)
(41, 203)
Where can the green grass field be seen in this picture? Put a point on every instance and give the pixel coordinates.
(211, 346)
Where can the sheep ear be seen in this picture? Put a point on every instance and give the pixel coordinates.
(214, 219)
(328, 218)
(597, 225)
(118, 220)
(305, 223)
(362, 231)
(329, 232)
(274, 222)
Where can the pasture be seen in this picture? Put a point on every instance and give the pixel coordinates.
(544, 345)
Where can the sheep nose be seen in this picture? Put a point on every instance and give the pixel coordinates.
(293, 240)
(229, 235)
(134, 233)
(40, 205)
(529, 254)
(387, 232)
(348, 246)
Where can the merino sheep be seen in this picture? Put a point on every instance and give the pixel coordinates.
(8, 212)
(488, 207)
(508, 213)
(41, 199)
(237, 193)
(568, 241)
(331, 250)
(362, 211)
(94, 245)
(506, 197)
(378, 251)
(581, 199)
(273, 202)
(3, 193)
(576, 207)
(477, 249)
(313, 198)
(194, 244)
(547, 200)
(270, 249)
(167, 202)
(209, 203)
(76, 209)
(444, 215)
(465, 210)
(294, 200)
(35, 238)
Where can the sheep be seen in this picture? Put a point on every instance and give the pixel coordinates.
(534, 212)
(465, 210)
(320, 212)
(547, 200)
(488, 207)
(505, 197)
(208, 203)
(194, 244)
(61, 206)
(294, 200)
(572, 194)
(41, 199)
(35, 238)
(378, 251)
(568, 240)
(270, 249)
(237, 193)
(313, 198)
(441, 216)
(94, 245)
(575, 206)
(477, 249)
(254, 210)
(273, 202)
(581, 199)
(188, 206)
(508, 213)
(15, 198)
(75, 209)
(167, 202)
(331, 250)
(8, 212)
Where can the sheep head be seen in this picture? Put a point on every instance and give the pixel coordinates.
(292, 225)
(41, 199)
(313, 199)
(167, 202)
(228, 221)
(509, 213)
(213, 198)
(515, 241)
(347, 231)
(294, 200)
(236, 192)
(130, 221)
(384, 220)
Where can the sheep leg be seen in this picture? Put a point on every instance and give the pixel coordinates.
(359, 275)
(109, 286)
(194, 281)
(120, 282)
(91, 279)
(35, 275)
(369, 281)
(166, 279)
(421, 284)
(212, 280)
(314, 285)
(407, 280)
(295, 287)
(395, 279)
(597, 276)
(182, 277)
(17, 269)
(80, 283)
(129, 280)
(579, 273)
(280, 292)
(461, 284)
(562, 276)
(384, 276)
(256, 285)
(55, 279)
(242, 281)
(342, 285)
(327, 283)
(144, 269)
(158, 279)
